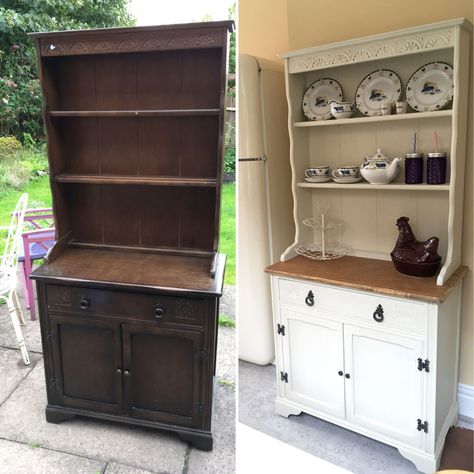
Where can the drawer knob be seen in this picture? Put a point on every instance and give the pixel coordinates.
(348, 376)
(159, 311)
(85, 302)
(309, 300)
(119, 371)
(378, 314)
(126, 373)
(340, 373)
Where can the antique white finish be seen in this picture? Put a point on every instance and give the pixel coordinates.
(334, 359)
(370, 211)
(381, 392)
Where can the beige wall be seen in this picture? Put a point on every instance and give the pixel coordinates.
(264, 28)
(315, 22)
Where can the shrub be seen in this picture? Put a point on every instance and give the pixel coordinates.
(9, 146)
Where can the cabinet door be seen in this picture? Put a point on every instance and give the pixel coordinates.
(385, 391)
(162, 374)
(313, 357)
(87, 361)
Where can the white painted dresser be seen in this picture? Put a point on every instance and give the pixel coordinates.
(357, 343)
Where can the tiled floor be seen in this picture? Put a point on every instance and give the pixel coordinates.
(344, 448)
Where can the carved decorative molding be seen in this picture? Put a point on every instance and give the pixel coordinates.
(186, 310)
(62, 299)
(64, 47)
(383, 48)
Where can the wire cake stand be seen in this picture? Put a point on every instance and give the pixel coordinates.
(321, 249)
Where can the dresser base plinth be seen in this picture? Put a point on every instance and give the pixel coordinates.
(200, 439)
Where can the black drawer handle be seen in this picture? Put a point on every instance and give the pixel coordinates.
(159, 311)
(309, 300)
(378, 314)
(85, 302)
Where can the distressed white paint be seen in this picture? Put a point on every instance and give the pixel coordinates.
(385, 393)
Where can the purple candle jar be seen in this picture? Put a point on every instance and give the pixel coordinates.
(413, 168)
(436, 168)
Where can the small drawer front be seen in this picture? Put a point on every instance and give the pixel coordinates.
(381, 310)
(159, 308)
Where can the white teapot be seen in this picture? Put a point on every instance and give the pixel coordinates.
(379, 169)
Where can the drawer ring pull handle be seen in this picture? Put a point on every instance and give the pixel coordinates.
(84, 303)
(159, 311)
(378, 314)
(309, 300)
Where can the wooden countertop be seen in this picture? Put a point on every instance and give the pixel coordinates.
(367, 274)
(135, 270)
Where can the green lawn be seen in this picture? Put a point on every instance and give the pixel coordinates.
(39, 196)
(227, 237)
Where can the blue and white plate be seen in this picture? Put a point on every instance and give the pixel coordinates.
(317, 97)
(430, 87)
(381, 87)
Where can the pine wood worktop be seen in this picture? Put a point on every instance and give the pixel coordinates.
(367, 274)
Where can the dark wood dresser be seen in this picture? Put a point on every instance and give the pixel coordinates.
(128, 296)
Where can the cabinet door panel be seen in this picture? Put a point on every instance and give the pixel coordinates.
(385, 391)
(87, 355)
(164, 373)
(313, 356)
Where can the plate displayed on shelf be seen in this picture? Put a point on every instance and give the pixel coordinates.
(318, 179)
(317, 97)
(378, 88)
(348, 180)
(430, 87)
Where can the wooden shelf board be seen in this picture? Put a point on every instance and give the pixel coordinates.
(138, 180)
(389, 186)
(385, 118)
(176, 273)
(379, 276)
(132, 113)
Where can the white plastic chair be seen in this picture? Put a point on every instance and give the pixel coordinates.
(8, 273)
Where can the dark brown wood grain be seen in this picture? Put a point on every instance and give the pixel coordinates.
(128, 297)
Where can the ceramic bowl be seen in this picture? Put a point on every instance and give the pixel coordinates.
(342, 109)
(417, 269)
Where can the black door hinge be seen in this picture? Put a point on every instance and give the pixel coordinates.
(422, 426)
(281, 329)
(201, 353)
(423, 365)
(200, 407)
(50, 337)
(284, 376)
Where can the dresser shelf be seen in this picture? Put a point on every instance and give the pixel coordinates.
(377, 119)
(134, 113)
(388, 187)
(136, 180)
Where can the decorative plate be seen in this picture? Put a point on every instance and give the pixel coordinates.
(378, 88)
(317, 97)
(318, 179)
(430, 87)
(348, 180)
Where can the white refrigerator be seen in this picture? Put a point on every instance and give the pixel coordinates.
(265, 203)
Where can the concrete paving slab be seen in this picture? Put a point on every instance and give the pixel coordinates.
(222, 458)
(114, 468)
(23, 459)
(22, 419)
(227, 302)
(13, 370)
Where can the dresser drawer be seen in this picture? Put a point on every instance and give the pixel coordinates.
(381, 310)
(143, 307)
